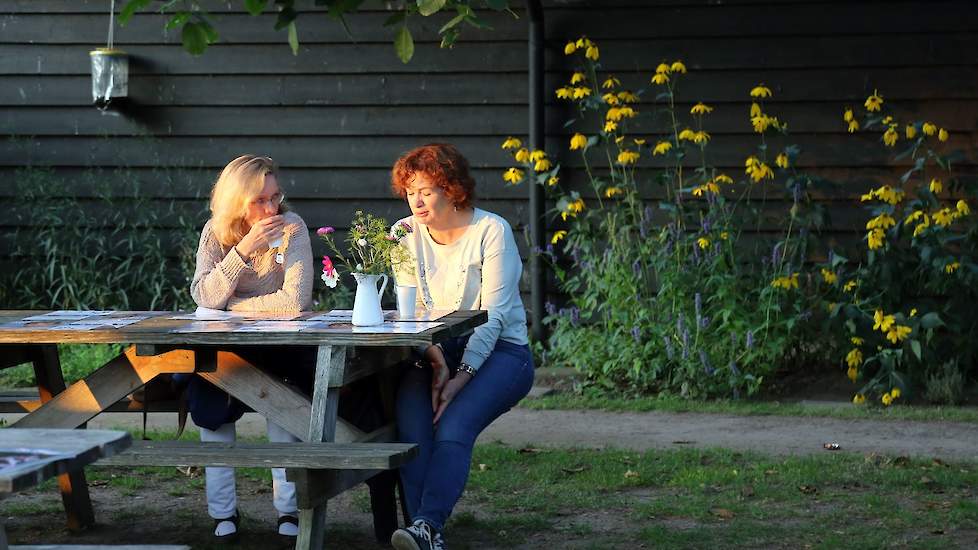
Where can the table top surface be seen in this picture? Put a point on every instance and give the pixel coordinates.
(30, 456)
(182, 328)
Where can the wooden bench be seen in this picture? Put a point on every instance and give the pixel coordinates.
(99, 547)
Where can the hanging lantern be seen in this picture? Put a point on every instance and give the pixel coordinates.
(110, 75)
(110, 69)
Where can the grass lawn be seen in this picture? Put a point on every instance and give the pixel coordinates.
(532, 498)
(568, 400)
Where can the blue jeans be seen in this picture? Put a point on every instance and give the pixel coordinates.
(433, 482)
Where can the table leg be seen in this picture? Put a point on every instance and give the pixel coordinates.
(330, 362)
(74, 487)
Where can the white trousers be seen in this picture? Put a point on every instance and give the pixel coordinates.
(222, 499)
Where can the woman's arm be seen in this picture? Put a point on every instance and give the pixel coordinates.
(296, 292)
(216, 274)
(501, 270)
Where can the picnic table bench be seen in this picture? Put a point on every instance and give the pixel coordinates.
(172, 342)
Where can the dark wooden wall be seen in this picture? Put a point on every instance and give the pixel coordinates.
(338, 114)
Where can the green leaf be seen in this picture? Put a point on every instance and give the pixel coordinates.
(178, 20)
(430, 7)
(130, 9)
(451, 23)
(195, 37)
(404, 44)
(915, 346)
(293, 38)
(931, 320)
(255, 7)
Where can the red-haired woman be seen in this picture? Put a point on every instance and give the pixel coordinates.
(464, 258)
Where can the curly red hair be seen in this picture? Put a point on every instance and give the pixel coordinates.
(445, 167)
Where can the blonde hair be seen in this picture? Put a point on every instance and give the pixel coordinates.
(239, 183)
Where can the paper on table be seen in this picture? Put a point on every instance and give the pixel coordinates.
(345, 315)
(208, 314)
(206, 326)
(66, 315)
(280, 326)
(424, 315)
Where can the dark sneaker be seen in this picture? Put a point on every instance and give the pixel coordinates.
(418, 536)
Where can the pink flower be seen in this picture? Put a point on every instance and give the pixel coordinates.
(407, 227)
(391, 238)
(324, 230)
(328, 265)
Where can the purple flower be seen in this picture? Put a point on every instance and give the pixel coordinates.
(705, 321)
(391, 238)
(637, 268)
(575, 316)
(705, 361)
(536, 250)
(796, 193)
(550, 250)
(406, 227)
(637, 334)
(668, 347)
(698, 302)
(750, 339)
(680, 323)
(685, 344)
(551, 309)
(325, 230)
(706, 224)
(733, 338)
(774, 254)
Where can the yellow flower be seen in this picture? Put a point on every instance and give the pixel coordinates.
(856, 340)
(782, 160)
(944, 217)
(537, 154)
(875, 238)
(660, 78)
(610, 126)
(542, 165)
(627, 97)
(898, 333)
(700, 109)
(922, 226)
(853, 126)
(962, 207)
(522, 155)
(706, 187)
(885, 193)
(883, 221)
(613, 192)
(513, 175)
(853, 372)
(759, 172)
(942, 135)
(703, 243)
(724, 235)
(613, 113)
(913, 312)
(886, 399)
(895, 392)
(661, 148)
(850, 285)
(936, 186)
(638, 141)
(874, 102)
(755, 110)
(610, 98)
(723, 178)
(952, 267)
(887, 120)
(557, 236)
(576, 206)
(910, 131)
(582, 42)
(786, 283)
(581, 92)
(882, 322)
(553, 180)
(662, 69)
(762, 122)
(627, 112)
(578, 141)
(760, 91)
(890, 136)
(687, 134)
(701, 137)
(570, 48)
(512, 143)
(858, 399)
(829, 276)
(577, 77)
(592, 53)
(678, 67)
(564, 93)
(929, 129)
(848, 116)
(626, 157)
(611, 82)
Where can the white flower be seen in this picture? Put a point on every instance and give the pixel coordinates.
(362, 242)
(359, 267)
(330, 279)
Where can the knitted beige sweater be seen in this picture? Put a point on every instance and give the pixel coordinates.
(225, 280)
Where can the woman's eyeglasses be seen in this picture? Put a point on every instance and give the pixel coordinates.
(275, 200)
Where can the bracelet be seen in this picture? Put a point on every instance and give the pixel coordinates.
(465, 367)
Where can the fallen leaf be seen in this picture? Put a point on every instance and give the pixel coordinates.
(98, 483)
(631, 474)
(575, 469)
(530, 450)
(808, 489)
(483, 467)
(770, 472)
(722, 513)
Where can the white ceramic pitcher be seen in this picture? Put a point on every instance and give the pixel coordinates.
(366, 305)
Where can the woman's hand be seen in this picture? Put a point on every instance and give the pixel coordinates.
(449, 392)
(260, 235)
(439, 374)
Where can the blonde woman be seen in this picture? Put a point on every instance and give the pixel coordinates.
(254, 255)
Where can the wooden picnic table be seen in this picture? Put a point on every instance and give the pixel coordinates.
(159, 344)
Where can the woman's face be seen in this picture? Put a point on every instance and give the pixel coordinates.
(266, 203)
(428, 202)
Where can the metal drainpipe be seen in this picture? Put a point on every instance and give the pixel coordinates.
(538, 269)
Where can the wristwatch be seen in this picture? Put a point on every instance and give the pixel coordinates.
(465, 367)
